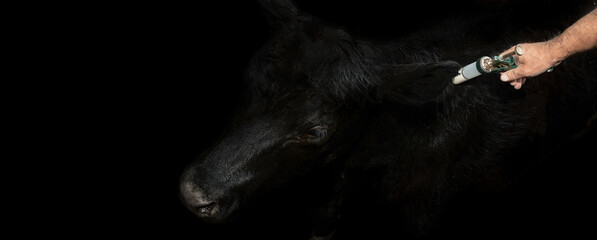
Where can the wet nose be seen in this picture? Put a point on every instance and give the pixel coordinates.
(197, 201)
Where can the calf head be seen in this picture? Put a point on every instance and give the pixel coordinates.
(288, 123)
(305, 100)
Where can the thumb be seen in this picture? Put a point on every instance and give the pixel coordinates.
(509, 75)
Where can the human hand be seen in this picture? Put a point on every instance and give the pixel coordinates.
(537, 59)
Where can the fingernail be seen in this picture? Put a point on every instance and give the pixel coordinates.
(504, 77)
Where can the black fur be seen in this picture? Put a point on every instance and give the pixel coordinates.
(382, 120)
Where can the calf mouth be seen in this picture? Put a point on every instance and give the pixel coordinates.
(215, 212)
(209, 213)
(206, 210)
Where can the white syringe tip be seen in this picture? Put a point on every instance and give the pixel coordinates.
(458, 79)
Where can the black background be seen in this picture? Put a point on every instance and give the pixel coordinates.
(155, 84)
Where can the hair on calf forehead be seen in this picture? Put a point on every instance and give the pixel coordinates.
(340, 68)
(331, 63)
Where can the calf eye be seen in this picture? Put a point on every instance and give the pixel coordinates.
(314, 132)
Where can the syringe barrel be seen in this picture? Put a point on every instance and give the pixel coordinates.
(470, 71)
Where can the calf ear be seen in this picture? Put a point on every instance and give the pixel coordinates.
(417, 83)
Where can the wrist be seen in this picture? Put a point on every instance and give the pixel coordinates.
(557, 50)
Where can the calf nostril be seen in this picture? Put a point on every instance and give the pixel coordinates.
(198, 201)
(206, 209)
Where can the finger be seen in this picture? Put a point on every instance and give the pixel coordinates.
(507, 51)
(519, 83)
(504, 77)
(509, 75)
(516, 60)
(517, 86)
(516, 83)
